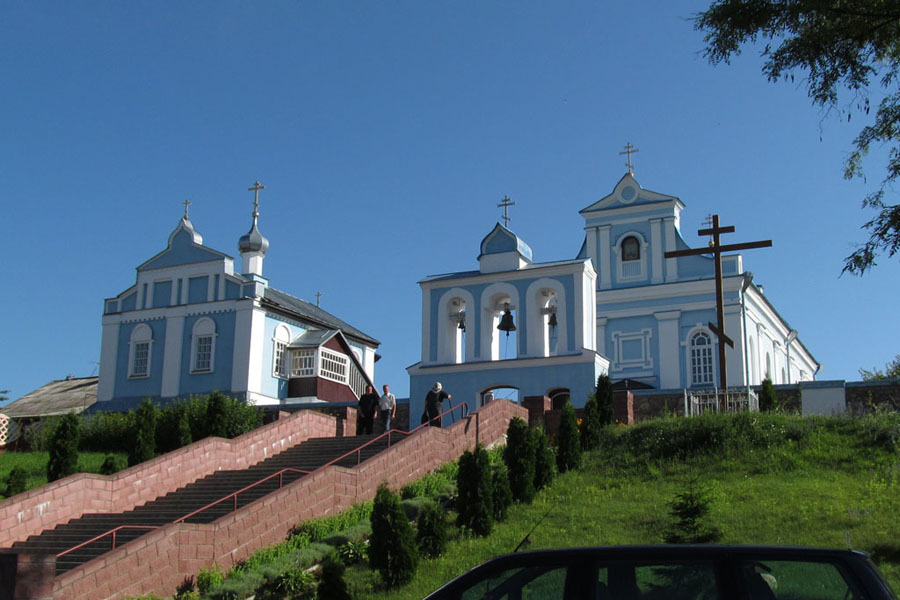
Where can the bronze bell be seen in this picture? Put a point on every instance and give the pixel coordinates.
(553, 322)
(506, 321)
(462, 321)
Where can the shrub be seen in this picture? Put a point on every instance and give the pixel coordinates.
(173, 430)
(37, 435)
(431, 536)
(321, 527)
(295, 583)
(143, 447)
(352, 551)
(208, 579)
(16, 482)
(768, 399)
(63, 448)
(392, 546)
(110, 465)
(519, 456)
(332, 585)
(216, 415)
(690, 509)
(568, 454)
(108, 432)
(604, 395)
(544, 459)
(591, 426)
(502, 494)
(228, 417)
(476, 495)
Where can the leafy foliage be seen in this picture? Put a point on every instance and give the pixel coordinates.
(16, 482)
(589, 429)
(568, 455)
(891, 371)
(63, 448)
(432, 532)
(108, 432)
(519, 456)
(768, 399)
(392, 547)
(544, 459)
(692, 525)
(604, 394)
(475, 484)
(143, 447)
(503, 497)
(332, 586)
(839, 45)
(110, 465)
(321, 527)
(209, 578)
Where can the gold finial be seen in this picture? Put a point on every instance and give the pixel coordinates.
(186, 204)
(318, 297)
(255, 189)
(629, 150)
(506, 203)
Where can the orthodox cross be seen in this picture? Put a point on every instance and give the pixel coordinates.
(186, 204)
(506, 203)
(716, 248)
(255, 189)
(629, 150)
(318, 296)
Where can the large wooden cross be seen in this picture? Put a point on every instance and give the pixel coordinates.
(716, 248)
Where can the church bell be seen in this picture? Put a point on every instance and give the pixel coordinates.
(506, 321)
(553, 322)
(462, 321)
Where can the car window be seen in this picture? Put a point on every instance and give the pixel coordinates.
(527, 583)
(796, 580)
(625, 580)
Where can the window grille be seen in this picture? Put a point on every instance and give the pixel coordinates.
(333, 366)
(141, 359)
(203, 358)
(278, 368)
(304, 363)
(357, 380)
(631, 268)
(701, 359)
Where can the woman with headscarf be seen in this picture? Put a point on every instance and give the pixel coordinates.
(433, 403)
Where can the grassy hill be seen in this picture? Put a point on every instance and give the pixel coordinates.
(773, 479)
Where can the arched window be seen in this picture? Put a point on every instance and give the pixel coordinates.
(631, 249)
(279, 351)
(139, 351)
(203, 346)
(768, 366)
(701, 359)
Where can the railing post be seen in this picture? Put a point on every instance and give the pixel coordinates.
(113, 540)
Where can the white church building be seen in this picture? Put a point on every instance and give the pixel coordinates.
(190, 325)
(620, 307)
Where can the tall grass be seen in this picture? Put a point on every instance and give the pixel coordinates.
(35, 465)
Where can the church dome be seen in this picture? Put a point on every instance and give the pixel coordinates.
(253, 241)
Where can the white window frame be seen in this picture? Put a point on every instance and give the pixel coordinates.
(642, 261)
(140, 336)
(334, 366)
(708, 350)
(303, 362)
(203, 329)
(280, 341)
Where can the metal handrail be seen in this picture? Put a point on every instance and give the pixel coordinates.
(464, 412)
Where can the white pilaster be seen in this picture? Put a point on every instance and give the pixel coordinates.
(426, 326)
(109, 346)
(669, 349)
(601, 336)
(257, 341)
(603, 248)
(671, 263)
(656, 250)
(241, 365)
(591, 245)
(171, 376)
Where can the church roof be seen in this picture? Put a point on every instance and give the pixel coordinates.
(59, 397)
(501, 240)
(185, 246)
(313, 338)
(311, 312)
(464, 274)
(628, 192)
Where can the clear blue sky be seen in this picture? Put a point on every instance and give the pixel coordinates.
(386, 133)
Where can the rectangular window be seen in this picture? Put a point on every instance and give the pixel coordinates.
(334, 366)
(304, 363)
(141, 359)
(278, 368)
(701, 365)
(203, 357)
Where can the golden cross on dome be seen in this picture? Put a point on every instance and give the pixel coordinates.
(506, 203)
(255, 189)
(186, 204)
(629, 150)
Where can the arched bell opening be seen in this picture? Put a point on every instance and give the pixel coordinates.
(454, 327)
(503, 327)
(498, 392)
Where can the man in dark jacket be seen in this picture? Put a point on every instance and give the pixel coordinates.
(434, 400)
(368, 404)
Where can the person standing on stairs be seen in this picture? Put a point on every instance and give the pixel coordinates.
(368, 404)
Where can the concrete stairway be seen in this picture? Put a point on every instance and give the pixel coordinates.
(179, 503)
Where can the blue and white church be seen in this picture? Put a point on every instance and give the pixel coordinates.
(191, 324)
(619, 307)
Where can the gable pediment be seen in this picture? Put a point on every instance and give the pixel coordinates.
(185, 247)
(629, 193)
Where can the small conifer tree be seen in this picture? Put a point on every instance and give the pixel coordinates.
(63, 448)
(145, 419)
(768, 399)
(110, 465)
(432, 530)
(16, 482)
(544, 459)
(502, 494)
(690, 511)
(475, 485)
(217, 414)
(568, 454)
(332, 585)
(392, 545)
(184, 429)
(590, 425)
(519, 457)
(604, 395)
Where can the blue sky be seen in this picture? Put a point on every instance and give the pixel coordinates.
(385, 134)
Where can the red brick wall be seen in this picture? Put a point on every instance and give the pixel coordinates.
(160, 561)
(57, 502)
